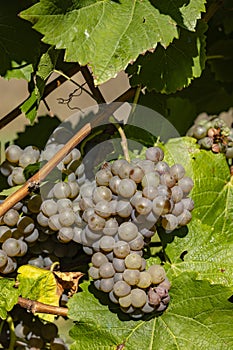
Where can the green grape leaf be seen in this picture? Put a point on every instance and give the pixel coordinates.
(19, 71)
(30, 106)
(184, 13)
(198, 315)
(83, 28)
(19, 42)
(8, 296)
(8, 191)
(170, 69)
(45, 68)
(207, 246)
(32, 169)
(39, 285)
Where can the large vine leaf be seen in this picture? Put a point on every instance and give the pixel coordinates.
(170, 69)
(207, 247)
(198, 315)
(39, 285)
(8, 296)
(128, 27)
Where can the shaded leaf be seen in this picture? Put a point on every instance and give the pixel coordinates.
(8, 296)
(8, 191)
(19, 71)
(170, 69)
(19, 42)
(134, 28)
(221, 60)
(39, 285)
(185, 13)
(198, 315)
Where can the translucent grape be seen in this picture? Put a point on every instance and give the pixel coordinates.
(107, 243)
(170, 222)
(94, 272)
(103, 209)
(117, 164)
(125, 302)
(74, 189)
(177, 171)
(157, 273)
(106, 284)
(101, 193)
(49, 207)
(13, 153)
(143, 205)
(18, 176)
(65, 234)
(151, 179)
(103, 177)
(98, 259)
(184, 218)
(121, 289)
(168, 180)
(106, 270)
(54, 222)
(121, 249)
(61, 190)
(136, 174)
(123, 208)
(137, 243)
(11, 246)
(127, 231)
(111, 227)
(150, 192)
(188, 203)
(162, 167)
(199, 132)
(11, 217)
(161, 205)
(114, 183)
(124, 170)
(186, 183)
(145, 280)
(138, 297)
(66, 217)
(133, 261)
(126, 188)
(118, 264)
(132, 277)
(155, 154)
(96, 223)
(177, 194)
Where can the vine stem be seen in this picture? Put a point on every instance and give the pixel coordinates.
(36, 179)
(36, 306)
(74, 82)
(12, 333)
(124, 143)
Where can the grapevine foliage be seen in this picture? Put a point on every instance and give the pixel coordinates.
(180, 54)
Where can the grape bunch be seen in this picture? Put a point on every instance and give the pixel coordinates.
(215, 133)
(121, 212)
(32, 333)
(113, 217)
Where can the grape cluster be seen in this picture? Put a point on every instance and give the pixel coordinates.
(121, 212)
(32, 333)
(113, 217)
(214, 133)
